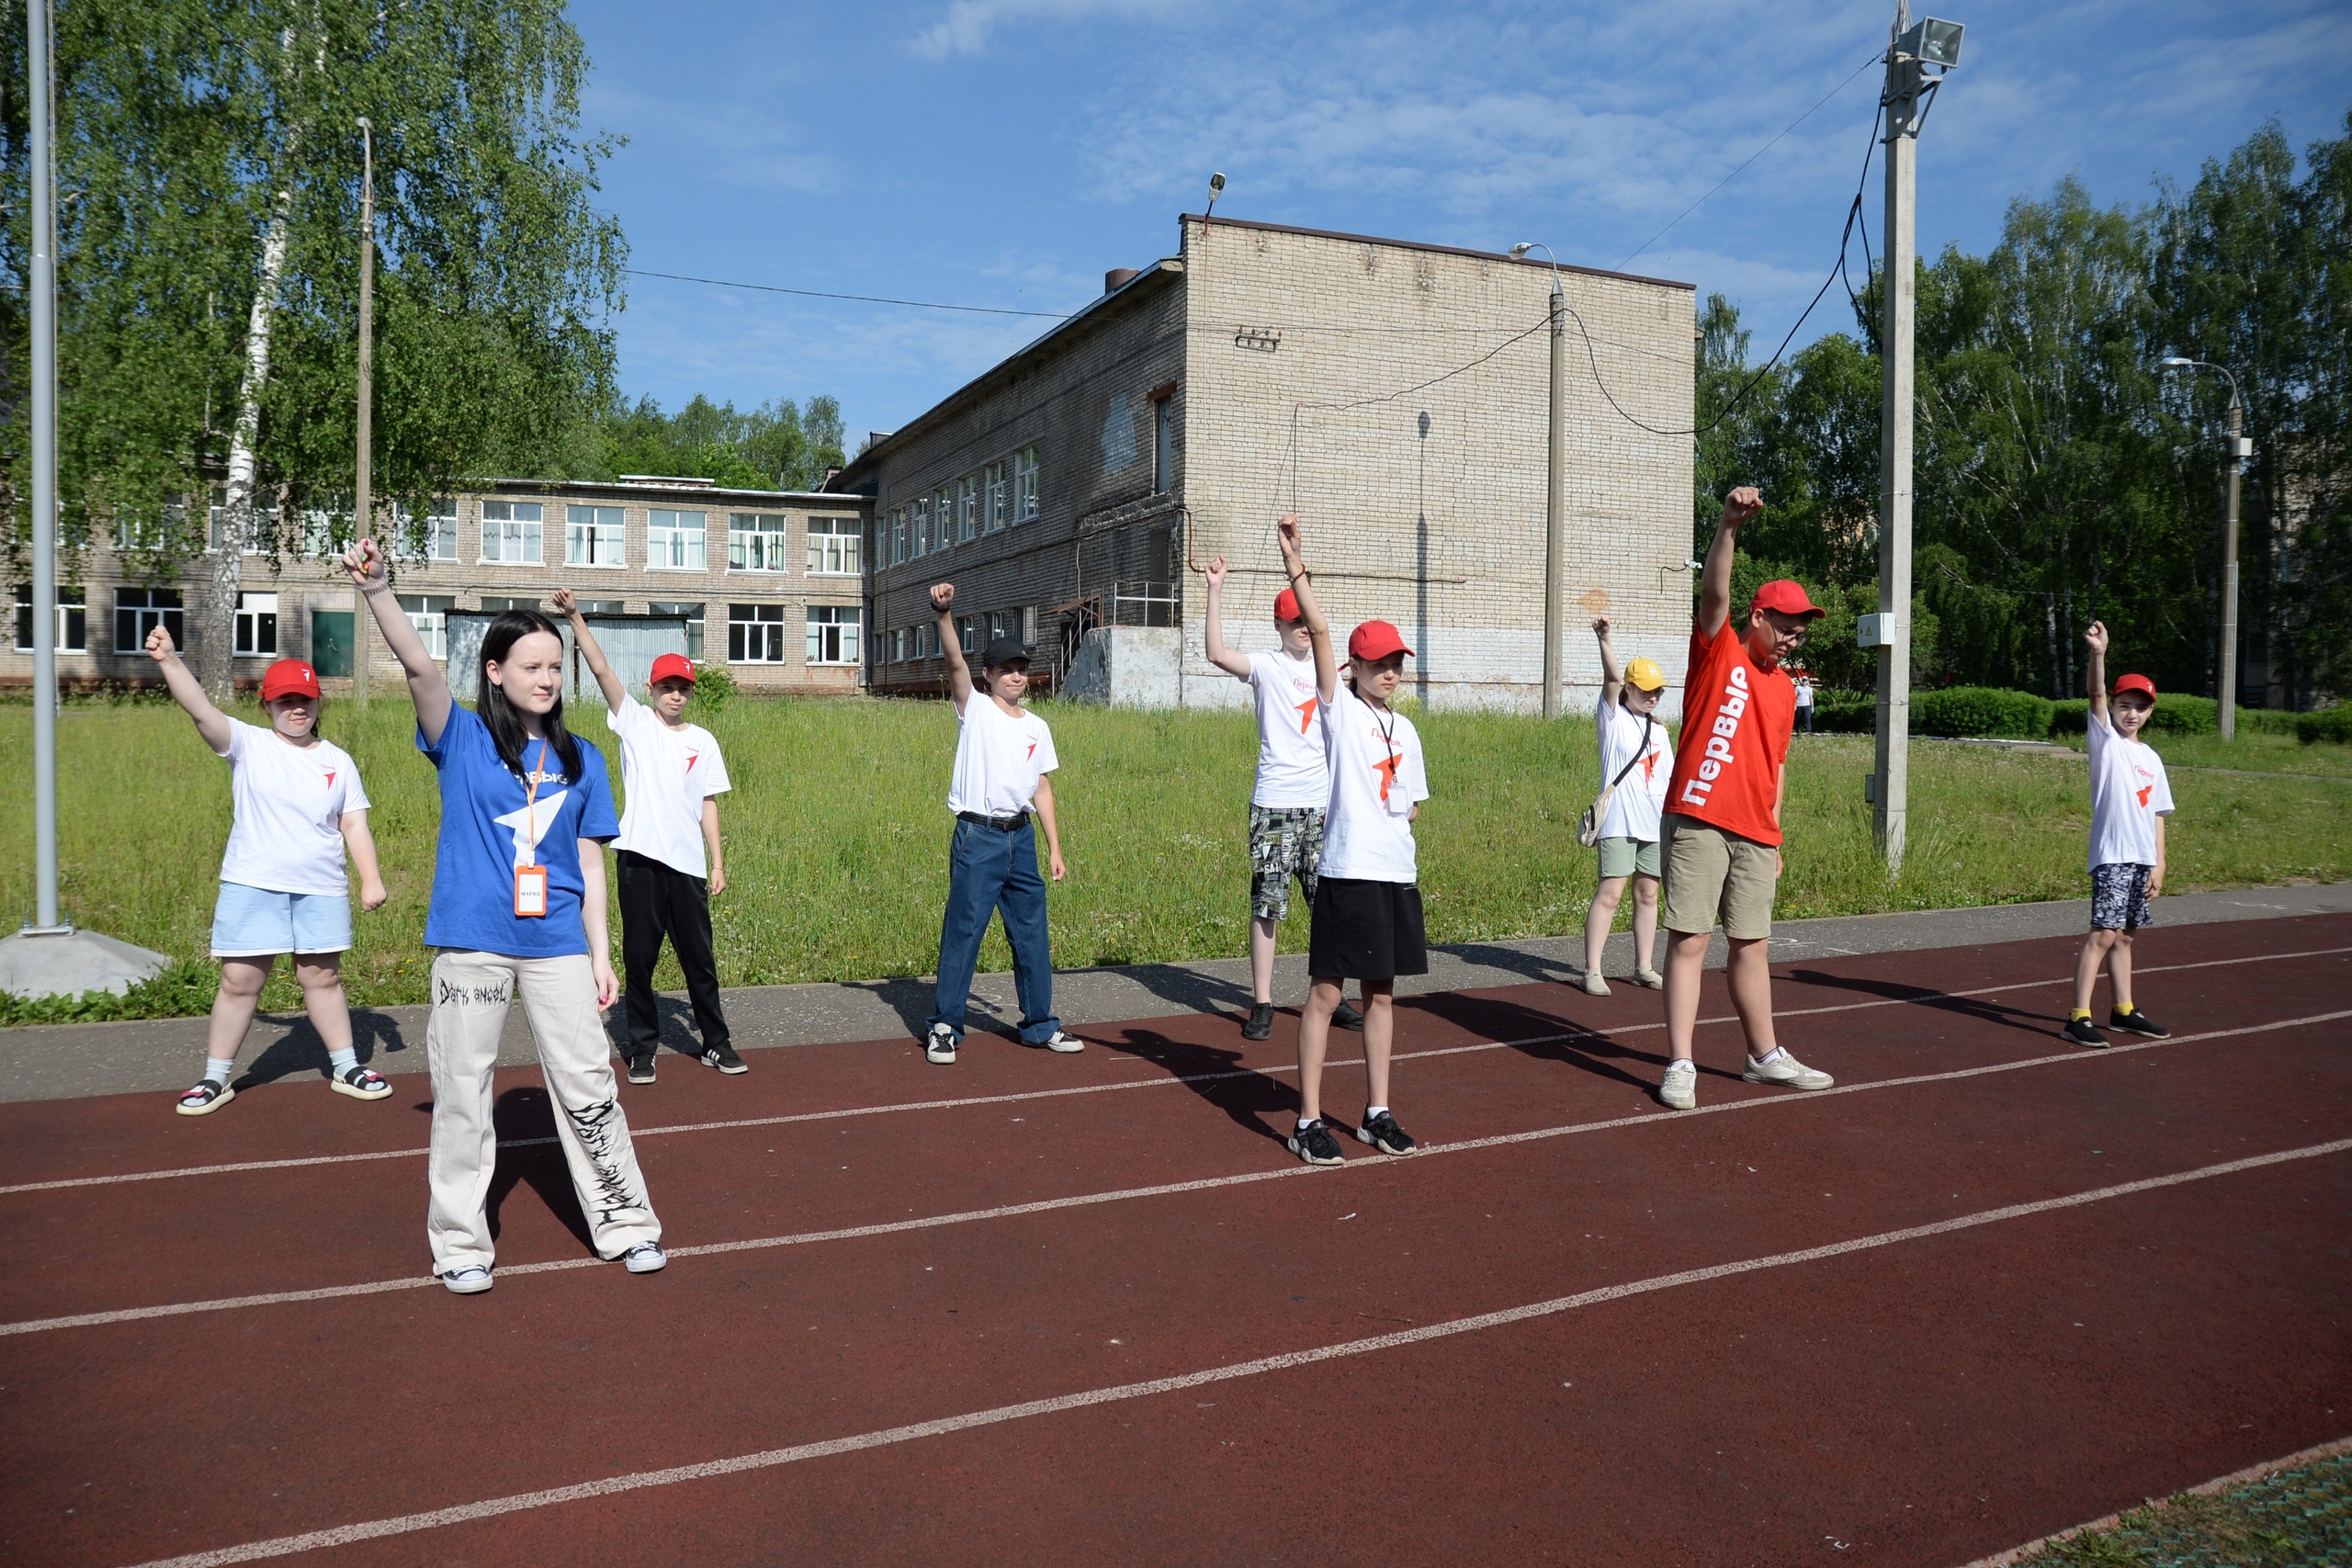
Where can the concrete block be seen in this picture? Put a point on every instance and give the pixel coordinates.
(69, 962)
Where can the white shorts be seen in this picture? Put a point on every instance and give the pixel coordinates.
(256, 922)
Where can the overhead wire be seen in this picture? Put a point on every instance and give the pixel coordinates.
(867, 299)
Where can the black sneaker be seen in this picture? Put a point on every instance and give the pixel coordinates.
(640, 1068)
(1314, 1145)
(1345, 1017)
(2080, 1032)
(724, 1058)
(1383, 1133)
(939, 1045)
(2136, 1023)
(1261, 1022)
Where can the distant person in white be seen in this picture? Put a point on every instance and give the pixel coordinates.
(1804, 703)
(999, 795)
(1293, 786)
(298, 806)
(2131, 797)
(1635, 761)
(672, 776)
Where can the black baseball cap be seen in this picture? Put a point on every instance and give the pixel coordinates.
(1004, 650)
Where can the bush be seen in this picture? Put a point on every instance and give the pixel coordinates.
(715, 686)
(1845, 713)
(2328, 723)
(2070, 716)
(1981, 710)
(2174, 715)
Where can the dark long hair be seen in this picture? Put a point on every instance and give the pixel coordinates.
(506, 724)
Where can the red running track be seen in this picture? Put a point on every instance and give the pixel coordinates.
(1580, 1330)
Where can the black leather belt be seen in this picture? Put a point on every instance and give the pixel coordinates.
(1001, 824)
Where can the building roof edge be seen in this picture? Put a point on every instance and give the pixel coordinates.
(1439, 249)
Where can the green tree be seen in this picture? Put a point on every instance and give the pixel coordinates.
(209, 264)
(777, 446)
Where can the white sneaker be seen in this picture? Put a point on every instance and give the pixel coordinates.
(1068, 1044)
(470, 1280)
(1787, 1072)
(1679, 1089)
(940, 1046)
(645, 1257)
(1594, 986)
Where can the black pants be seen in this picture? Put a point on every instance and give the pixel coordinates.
(660, 900)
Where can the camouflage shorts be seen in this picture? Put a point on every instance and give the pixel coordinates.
(1285, 841)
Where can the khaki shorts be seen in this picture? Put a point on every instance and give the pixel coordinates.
(1628, 857)
(1712, 875)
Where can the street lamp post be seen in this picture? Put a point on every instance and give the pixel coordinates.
(365, 502)
(2238, 449)
(1555, 485)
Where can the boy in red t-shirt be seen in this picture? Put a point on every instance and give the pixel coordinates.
(1722, 828)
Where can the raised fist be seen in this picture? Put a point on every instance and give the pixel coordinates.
(943, 595)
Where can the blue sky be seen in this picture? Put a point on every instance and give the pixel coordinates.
(1006, 153)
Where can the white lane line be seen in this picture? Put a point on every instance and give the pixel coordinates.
(468, 1513)
(1161, 1190)
(1577, 1032)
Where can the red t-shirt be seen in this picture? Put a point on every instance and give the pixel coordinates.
(1735, 724)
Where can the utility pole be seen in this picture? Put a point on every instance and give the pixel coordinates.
(1909, 89)
(366, 502)
(1556, 501)
(42, 287)
(2227, 716)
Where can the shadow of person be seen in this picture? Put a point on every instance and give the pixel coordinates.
(1541, 1036)
(522, 1117)
(910, 998)
(1188, 990)
(673, 1027)
(1245, 1095)
(1983, 1008)
(299, 1050)
(1534, 966)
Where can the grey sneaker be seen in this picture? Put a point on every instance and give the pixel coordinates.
(470, 1280)
(1594, 986)
(1787, 1073)
(1645, 975)
(939, 1046)
(1679, 1089)
(645, 1257)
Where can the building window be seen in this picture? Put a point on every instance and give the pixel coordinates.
(997, 498)
(832, 546)
(877, 655)
(967, 633)
(832, 634)
(925, 539)
(491, 606)
(138, 611)
(967, 505)
(435, 539)
(1024, 485)
(257, 624)
(511, 532)
(674, 541)
(897, 537)
(593, 537)
(1009, 623)
(429, 614)
(755, 542)
(1163, 443)
(755, 634)
(73, 634)
(255, 509)
(693, 614)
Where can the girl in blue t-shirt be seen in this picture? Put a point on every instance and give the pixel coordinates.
(517, 910)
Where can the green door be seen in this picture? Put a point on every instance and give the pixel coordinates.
(331, 642)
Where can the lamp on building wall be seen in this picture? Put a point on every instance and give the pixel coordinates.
(1217, 188)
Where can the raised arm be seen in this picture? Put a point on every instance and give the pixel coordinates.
(1318, 630)
(585, 640)
(1213, 626)
(1715, 581)
(1612, 677)
(2095, 670)
(428, 687)
(959, 672)
(211, 722)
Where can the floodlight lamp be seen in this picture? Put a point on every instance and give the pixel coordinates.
(1217, 185)
(1932, 41)
(1519, 251)
(2177, 364)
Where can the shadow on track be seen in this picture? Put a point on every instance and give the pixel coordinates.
(1983, 1008)
(373, 1035)
(525, 1112)
(1247, 1100)
(1590, 1051)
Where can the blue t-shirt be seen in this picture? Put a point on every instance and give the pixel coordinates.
(485, 829)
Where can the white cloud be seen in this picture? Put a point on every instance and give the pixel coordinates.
(967, 26)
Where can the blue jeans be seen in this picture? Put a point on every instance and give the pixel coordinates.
(989, 870)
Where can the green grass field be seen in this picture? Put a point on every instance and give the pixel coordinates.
(837, 829)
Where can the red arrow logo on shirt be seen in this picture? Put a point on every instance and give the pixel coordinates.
(692, 758)
(1307, 713)
(331, 781)
(1031, 752)
(1387, 771)
(2145, 790)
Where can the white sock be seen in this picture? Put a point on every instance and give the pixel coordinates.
(1685, 1063)
(220, 1070)
(338, 1061)
(1773, 1056)
(1370, 1112)
(1306, 1122)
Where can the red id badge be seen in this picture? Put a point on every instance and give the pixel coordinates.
(530, 891)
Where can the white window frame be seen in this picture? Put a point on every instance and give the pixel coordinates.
(676, 541)
(920, 538)
(897, 535)
(967, 505)
(212, 521)
(696, 623)
(756, 638)
(513, 532)
(592, 543)
(72, 614)
(257, 624)
(994, 511)
(1024, 485)
(429, 614)
(756, 542)
(837, 624)
(440, 538)
(146, 615)
(834, 547)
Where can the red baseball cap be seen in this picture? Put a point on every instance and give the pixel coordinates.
(1785, 597)
(1376, 640)
(2136, 684)
(1286, 606)
(672, 667)
(289, 678)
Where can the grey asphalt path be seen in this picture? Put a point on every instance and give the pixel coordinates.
(69, 1061)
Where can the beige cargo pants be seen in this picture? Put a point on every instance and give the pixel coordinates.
(471, 992)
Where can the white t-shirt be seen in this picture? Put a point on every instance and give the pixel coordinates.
(1804, 694)
(1291, 769)
(665, 775)
(2128, 792)
(287, 835)
(1633, 810)
(1376, 780)
(999, 759)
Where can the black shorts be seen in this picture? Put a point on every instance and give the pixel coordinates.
(1371, 931)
